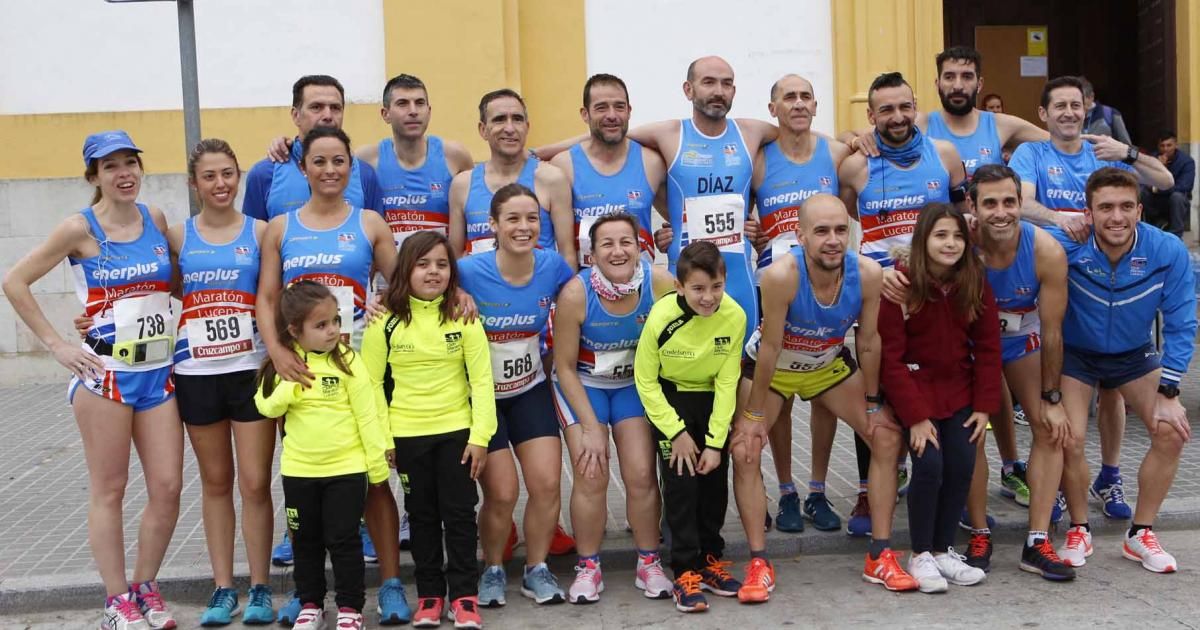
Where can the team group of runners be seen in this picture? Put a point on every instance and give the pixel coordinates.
(397, 305)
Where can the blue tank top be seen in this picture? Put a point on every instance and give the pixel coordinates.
(890, 202)
(289, 187)
(122, 270)
(217, 330)
(976, 149)
(418, 199)
(514, 316)
(478, 207)
(608, 342)
(594, 195)
(785, 186)
(708, 198)
(1016, 289)
(339, 258)
(814, 333)
(1060, 177)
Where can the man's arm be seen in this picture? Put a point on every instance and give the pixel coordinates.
(459, 187)
(851, 179)
(547, 152)
(1187, 175)
(1179, 314)
(458, 157)
(866, 340)
(1150, 171)
(368, 154)
(953, 163)
(1051, 263)
(655, 135)
(557, 191)
(1014, 130)
(1120, 132)
(778, 284)
(757, 132)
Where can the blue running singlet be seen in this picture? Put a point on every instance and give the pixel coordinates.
(785, 186)
(893, 197)
(417, 199)
(976, 149)
(594, 195)
(478, 206)
(339, 258)
(1016, 289)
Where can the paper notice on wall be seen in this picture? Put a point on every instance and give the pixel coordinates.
(1035, 41)
(1035, 66)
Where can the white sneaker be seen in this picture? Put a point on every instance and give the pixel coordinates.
(349, 620)
(953, 566)
(588, 584)
(924, 570)
(1144, 548)
(652, 580)
(310, 618)
(154, 610)
(1077, 548)
(123, 614)
(405, 532)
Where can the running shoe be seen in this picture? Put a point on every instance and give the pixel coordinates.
(953, 566)
(464, 612)
(859, 523)
(540, 585)
(1042, 560)
(767, 522)
(687, 594)
(651, 579)
(511, 543)
(901, 482)
(1013, 487)
(491, 587)
(122, 613)
(154, 609)
(405, 533)
(311, 617)
(1077, 548)
(429, 612)
(979, 551)
(819, 510)
(716, 578)
(1060, 508)
(886, 570)
(1144, 547)
(759, 582)
(1113, 496)
(924, 569)
(964, 521)
(222, 607)
(290, 611)
(588, 584)
(562, 543)
(789, 519)
(281, 555)
(259, 608)
(393, 603)
(349, 619)
(1019, 416)
(369, 554)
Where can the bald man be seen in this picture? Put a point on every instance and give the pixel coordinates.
(811, 297)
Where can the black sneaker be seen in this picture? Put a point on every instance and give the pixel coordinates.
(979, 551)
(1042, 560)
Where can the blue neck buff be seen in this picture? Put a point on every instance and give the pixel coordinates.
(903, 156)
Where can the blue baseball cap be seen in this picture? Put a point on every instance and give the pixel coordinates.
(105, 143)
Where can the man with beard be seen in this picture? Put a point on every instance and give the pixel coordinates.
(799, 164)
(811, 297)
(1053, 173)
(1170, 206)
(1119, 280)
(887, 193)
(608, 172)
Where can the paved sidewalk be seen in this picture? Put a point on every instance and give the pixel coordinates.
(43, 499)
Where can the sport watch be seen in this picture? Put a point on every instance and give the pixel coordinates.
(1052, 396)
(1131, 156)
(1169, 391)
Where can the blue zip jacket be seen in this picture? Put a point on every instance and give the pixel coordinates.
(1111, 310)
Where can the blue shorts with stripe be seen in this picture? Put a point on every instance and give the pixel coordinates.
(610, 405)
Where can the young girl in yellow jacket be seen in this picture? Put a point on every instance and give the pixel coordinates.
(334, 444)
(436, 373)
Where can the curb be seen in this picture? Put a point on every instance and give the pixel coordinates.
(82, 590)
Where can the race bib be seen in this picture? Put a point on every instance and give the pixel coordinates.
(221, 337)
(719, 219)
(614, 364)
(143, 329)
(782, 245)
(345, 302)
(1010, 324)
(400, 233)
(482, 245)
(515, 363)
(793, 361)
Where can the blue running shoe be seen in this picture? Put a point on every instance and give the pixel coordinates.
(859, 523)
(1113, 496)
(541, 586)
(259, 609)
(964, 522)
(369, 554)
(716, 579)
(491, 587)
(222, 608)
(901, 482)
(287, 614)
(789, 518)
(1060, 508)
(393, 605)
(687, 595)
(818, 508)
(282, 556)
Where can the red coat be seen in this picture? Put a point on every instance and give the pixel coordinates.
(935, 363)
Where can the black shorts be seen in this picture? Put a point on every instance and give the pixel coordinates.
(205, 399)
(1109, 371)
(524, 417)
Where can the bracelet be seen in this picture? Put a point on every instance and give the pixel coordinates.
(753, 416)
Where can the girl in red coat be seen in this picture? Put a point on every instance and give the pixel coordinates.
(941, 375)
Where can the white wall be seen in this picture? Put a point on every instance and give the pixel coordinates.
(761, 39)
(61, 56)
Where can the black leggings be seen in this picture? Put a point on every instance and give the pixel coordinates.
(323, 514)
(940, 481)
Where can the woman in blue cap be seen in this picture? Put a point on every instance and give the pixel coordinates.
(121, 390)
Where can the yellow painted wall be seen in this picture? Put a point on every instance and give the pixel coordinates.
(871, 37)
(1187, 69)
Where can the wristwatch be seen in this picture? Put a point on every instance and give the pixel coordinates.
(1132, 155)
(1052, 396)
(1169, 391)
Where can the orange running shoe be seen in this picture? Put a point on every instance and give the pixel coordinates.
(759, 582)
(886, 571)
(717, 579)
(687, 595)
(512, 542)
(562, 543)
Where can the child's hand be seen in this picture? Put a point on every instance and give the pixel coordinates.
(477, 455)
(683, 453)
(709, 460)
(390, 454)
